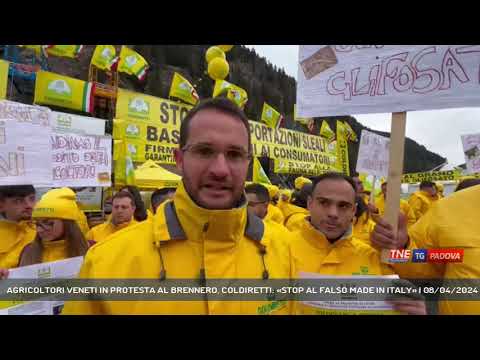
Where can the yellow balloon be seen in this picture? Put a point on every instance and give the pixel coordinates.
(226, 48)
(218, 69)
(213, 53)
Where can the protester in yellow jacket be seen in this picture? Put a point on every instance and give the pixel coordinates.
(324, 244)
(440, 189)
(420, 201)
(274, 213)
(69, 193)
(404, 206)
(205, 233)
(16, 227)
(297, 211)
(363, 224)
(123, 210)
(451, 224)
(58, 234)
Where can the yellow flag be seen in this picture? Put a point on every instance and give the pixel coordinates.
(4, 65)
(326, 132)
(351, 135)
(129, 168)
(63, 91)
(270, 116)
(132, 63)
(104, 57)
(259, 175)
(182, 89)
(342, 149)
(234, 92)
(70, 51)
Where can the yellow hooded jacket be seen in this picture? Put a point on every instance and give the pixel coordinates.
(404, 208)
(182, 239)
(312, 253)
(100, 232)
(420, 202)
(13, 239)
(274, 214)
(294, 216)
(453, 224)
(362, 228)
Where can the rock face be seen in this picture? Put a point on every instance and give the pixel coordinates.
(263, 82)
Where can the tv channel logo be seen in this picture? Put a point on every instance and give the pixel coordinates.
(399, 256)
(419, 255)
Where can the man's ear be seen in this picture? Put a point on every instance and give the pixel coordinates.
(309, 202)
(178, 155)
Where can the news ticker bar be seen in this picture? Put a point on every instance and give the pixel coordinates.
(238, 290)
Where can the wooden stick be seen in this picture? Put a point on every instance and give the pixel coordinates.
(395, 170)
(372, 193)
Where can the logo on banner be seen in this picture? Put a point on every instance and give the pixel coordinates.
(132, 130)
(59, 89)
(139, 108)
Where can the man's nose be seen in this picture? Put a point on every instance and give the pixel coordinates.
(219, 166)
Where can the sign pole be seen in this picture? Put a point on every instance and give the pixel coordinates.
(395, 170)
(372, 193)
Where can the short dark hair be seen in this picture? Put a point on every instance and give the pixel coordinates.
(159, 194)
(427, 184)
(333, 176)
(140, 210)
(123, 195)
(220, 104)
(259, 190)
(300, 197)
(16, 191)
(464, 184)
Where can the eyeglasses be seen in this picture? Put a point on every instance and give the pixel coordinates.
(45, 224)
(255, 203)
(207, 152)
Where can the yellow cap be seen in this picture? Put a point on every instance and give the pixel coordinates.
(439, 187)
(57, 204)
(273, 190)
(287, 193)
(300, 181)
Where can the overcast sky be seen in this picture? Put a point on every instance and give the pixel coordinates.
(438, 130)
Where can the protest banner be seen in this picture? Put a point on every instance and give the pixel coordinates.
(414, 178)
(25, 150)
(4, 66)
(151, 128)
(471, 149)
(76, 124)
(81, 160)
(361, 79)
(373, 154)
(303, 168)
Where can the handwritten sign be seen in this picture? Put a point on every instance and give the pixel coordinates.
(360, 79)
(81, 160)
(373, 154)
(25, 150)
(471, 149)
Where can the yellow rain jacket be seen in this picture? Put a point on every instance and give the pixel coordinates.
(404, 208)
(312, 253)
(420, 202)
(363, 228)
(274, 214)
(452, 223)
(227, 244)
(294, 216)
(13, 239)
(101, 232)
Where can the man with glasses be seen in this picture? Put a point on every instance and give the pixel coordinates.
(16, 229)
(258, 199)
(205, 233)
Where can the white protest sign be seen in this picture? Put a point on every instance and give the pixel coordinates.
(61, 269)
(81, 160)
(25, 150)
(361, 79)
(373, 154)
(90, 199)
(70, 123)
(471, 149)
